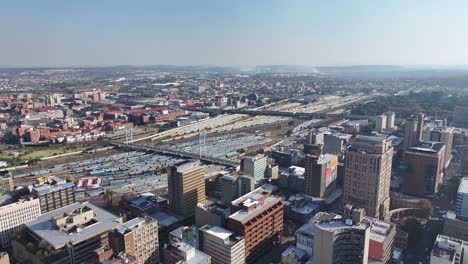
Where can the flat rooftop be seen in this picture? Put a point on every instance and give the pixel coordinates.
(45, 229)
(427, 147)
(129, 225)
(379, 230)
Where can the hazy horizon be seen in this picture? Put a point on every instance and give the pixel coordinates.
(53, 33)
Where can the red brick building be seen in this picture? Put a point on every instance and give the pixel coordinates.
(258, 216)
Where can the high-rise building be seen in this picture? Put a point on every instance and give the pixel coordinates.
(381, 240)
(246, 184)
(182, 253)
(316, 137)
(138, 238)
(420, 126)
(229, 188)
(444, 135)
(186, 184)
(410, 137)
(390, 120)
(461, 203)
(6, 183)
(258, 217)
(320, 174)
(67, 235)
(12, 216)
(342, 240)
(255, 166)
(425, 164)
(53, 193)
(455, 226)
(381, 123)
(448, 250)
(368, 169)
(222, 245)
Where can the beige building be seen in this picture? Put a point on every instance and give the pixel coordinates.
(341, 240)
(222, 245)
(368, 171)
(186, 184)
(138, 238)
(6, 184)
(183, 253)
(12, 216)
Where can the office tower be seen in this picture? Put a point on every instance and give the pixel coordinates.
(255, 166)
(368, 170)
(461, 202)
(420, 126)
(455, 226)
(334, 143)
(246, 184)
(390, 120)
(12, 216)
(138, 238)
(342, 240)
(313, 149)
(186, 184)
(229, 188)
(444, 135)
(425, 164)
(6, 183)
(212, 214)
(222, 245)
(272, 171)
(182, 253)
(53, 193)
(320, 174)
(381, 123)
(67, 235)
(448, 250)
(258, 217)
(410, 133)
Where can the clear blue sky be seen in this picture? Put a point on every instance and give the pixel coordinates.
(233, 32)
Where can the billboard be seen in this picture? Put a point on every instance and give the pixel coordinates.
(331, 171)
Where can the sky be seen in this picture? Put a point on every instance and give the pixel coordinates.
(56, 33)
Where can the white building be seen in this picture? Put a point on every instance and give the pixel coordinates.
(381, 123)
(390, 120)
(222, 245)
(449, 250)
(461, 205)
(14, 215)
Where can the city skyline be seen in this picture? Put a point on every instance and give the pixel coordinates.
(240, 33)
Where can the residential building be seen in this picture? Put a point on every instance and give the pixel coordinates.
(461, 202)
(390, 120)
(138, 238)
(186, 184)
(12, 216)
(222, 245)
(448, 250)
(255, 166)
(67, 235)
(342, 240)
(182, 253)
(410, 137)
(425, 164)
(6, 183)
(258, 217)
(53, 193)
(368, 168)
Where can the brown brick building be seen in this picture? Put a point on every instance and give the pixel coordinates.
(258, 216)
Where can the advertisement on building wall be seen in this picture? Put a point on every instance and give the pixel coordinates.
(331, 171)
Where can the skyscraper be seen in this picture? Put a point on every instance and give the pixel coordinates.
(390, 120)
(186, 184)
(368, 170)
(444, 135)
(410, 133)
(320, 174)
(381, 123)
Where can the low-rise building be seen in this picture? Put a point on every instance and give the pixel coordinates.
(448, 250)
(222, 245)
(182, 253)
